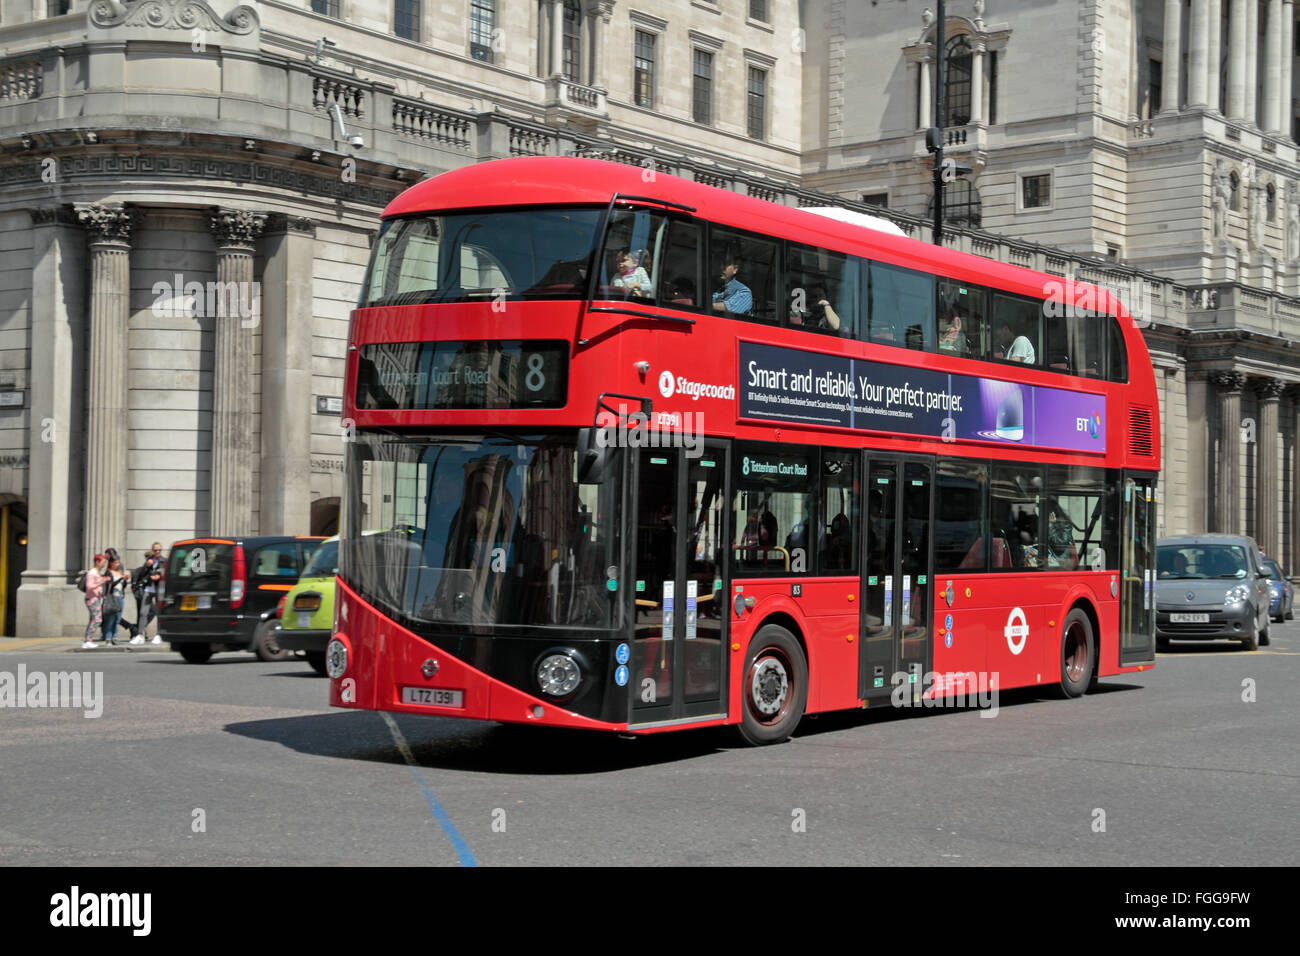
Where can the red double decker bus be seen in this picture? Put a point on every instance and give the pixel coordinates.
(633, 453)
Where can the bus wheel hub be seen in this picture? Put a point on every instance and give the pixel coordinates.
(770, 686)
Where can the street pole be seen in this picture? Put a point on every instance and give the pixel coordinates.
(940, 78)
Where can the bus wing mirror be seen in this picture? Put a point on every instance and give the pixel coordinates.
(593, 456)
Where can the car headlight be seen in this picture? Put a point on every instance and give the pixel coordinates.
(1238, 595)
(558, 675)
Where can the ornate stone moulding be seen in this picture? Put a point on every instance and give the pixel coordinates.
(163, 16)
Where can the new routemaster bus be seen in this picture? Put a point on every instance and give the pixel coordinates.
(628, 452)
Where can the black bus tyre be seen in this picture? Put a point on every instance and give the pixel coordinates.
(265, 647)
(1078, 654)
(195, 653)
(774, 687)
(317, 661)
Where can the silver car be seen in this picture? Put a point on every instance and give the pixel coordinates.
(1211, 587)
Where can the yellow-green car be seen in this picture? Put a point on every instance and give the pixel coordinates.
(307, 611)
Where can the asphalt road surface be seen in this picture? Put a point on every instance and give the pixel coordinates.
(239, 762)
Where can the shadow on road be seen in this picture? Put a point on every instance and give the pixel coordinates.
(444, 744)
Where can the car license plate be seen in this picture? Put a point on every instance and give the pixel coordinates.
(433, 695)
(304, 619)
(1189, 618)
(189, 602)
(205, 601)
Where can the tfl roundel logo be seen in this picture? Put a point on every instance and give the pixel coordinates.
(667, 384)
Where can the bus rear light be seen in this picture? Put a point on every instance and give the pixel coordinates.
(336, 659)
(238, 579)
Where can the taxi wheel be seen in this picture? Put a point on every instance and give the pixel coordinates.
(317, 661)
(1077, 646)
(195, 653)
(265, 646)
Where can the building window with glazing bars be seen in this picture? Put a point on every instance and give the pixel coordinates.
(406, 19)
(956, 104)
(482, 21)
(643, 80)
(758, 10)
(57, 8)
(702, 87)
(1036, 191)
(572, 42)
(756, 103)
(326, 8)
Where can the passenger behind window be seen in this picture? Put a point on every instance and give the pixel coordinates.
(631, 276)
(733, 296)
(951, 337)
(819, 314)
(1012, 347)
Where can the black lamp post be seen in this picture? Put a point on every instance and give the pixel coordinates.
(934, 135)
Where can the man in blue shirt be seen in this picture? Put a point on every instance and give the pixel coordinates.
(734, 297)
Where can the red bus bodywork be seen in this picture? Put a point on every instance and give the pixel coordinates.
(605, 353)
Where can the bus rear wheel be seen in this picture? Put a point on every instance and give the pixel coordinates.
(774, 687)
(1077, 654)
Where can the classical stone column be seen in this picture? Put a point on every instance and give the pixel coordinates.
(1173, 55)
(233, 446)
(927, 94)
(287, 400)
(46, 602)
(1288, 46)
(977, 82)
(109, 226)
(1198, 69)
(1268, 534)
(1272, 119)
(1227, 470)
(557, 37)
(1252, 61)
(1237, 59)
(1215, 46)
(1294, 564)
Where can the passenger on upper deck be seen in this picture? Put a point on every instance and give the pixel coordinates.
(734, 296)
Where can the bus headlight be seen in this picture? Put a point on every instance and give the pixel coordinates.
(558, 675)
(1237, 595)
(336, 658)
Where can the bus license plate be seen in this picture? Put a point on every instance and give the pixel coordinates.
(434, 696)
(1189, 618)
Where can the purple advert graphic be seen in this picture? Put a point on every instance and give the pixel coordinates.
(790, 385)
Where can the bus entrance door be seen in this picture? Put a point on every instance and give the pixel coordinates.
(896, 580)
(679, 629)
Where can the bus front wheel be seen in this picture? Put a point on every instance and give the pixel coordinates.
(1077, 653)
(774, 686)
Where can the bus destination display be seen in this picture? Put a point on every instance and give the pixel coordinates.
(779, 384)
(481, 374)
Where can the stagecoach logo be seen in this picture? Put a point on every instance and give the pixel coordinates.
(1017, 627)
(670, 385)
(666, 383)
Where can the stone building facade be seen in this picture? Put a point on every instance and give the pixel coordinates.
(190, 189)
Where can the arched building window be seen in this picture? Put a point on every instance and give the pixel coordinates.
(957, 90)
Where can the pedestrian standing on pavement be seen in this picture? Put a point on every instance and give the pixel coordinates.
(95, 598)
(145, 584)
(116, 583)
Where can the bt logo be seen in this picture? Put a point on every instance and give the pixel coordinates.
(1090, 424)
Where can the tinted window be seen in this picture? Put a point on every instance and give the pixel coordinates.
(275, 562)
(900, 307)
(961, 510)
(821, 290)
(199, 565)
(468, 257)
(679, 276)
(773, 510)
(963, 320)
(1197, 561)
(1016, 517)
(324, 562)
(840, 520)
(744, 275)
(1016, 323)
(1116, 354)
